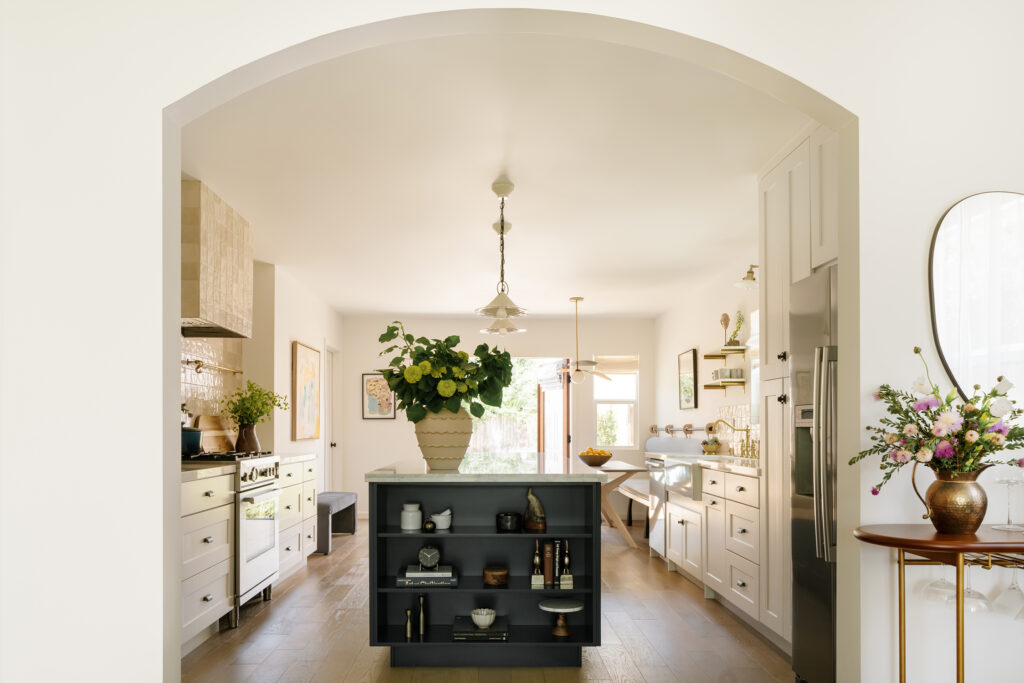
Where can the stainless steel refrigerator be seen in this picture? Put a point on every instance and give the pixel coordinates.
(813, 374)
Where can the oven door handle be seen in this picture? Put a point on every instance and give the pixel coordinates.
(254, 498)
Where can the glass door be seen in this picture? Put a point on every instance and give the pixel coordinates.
(553, 438)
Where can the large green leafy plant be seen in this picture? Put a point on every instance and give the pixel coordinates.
(253, 404)
(432, 375)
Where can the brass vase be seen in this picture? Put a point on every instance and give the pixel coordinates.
(955, 501)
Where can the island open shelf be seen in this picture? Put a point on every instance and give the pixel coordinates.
(572, 506)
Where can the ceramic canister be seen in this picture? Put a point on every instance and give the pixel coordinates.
(412, 517)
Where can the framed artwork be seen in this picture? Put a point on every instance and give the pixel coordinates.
(305, 392)
(688, 380)
(378, 399)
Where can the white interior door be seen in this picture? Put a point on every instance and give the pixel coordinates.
(324, 477)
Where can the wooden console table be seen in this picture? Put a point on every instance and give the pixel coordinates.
(988, 547)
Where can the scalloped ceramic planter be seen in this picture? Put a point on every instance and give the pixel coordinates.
(443, 439)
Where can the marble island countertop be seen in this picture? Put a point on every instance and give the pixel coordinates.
(414, 472)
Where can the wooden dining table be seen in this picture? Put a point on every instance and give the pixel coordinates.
(624, 470)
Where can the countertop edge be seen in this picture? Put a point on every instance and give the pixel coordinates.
(194, 471)
(393, 478)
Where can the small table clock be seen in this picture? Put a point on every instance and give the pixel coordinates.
(429, 557)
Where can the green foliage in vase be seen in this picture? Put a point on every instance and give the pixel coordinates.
(252, 404)
(431, 374)
(941, 431)
(739, 325)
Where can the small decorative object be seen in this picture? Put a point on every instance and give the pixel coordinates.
(466, 629)
(432, 381)
(549, 564)
(483, 617)
(509, 522)
(411, 518)
(429, 526)
(408, 624)
(595, 457)
(423, 615)
(561, 607)
(305, 392)
(537, 578)
(429, 557)
(565, 580)
(686, 363)
(534, 516)
(734, 337)
(496, 576)
(711, 445)
(248, 407)
(725, 327)
(955, 439)
(442, 520)
(378, 399)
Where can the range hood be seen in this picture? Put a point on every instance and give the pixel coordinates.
(216, 266)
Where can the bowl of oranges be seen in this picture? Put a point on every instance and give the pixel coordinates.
(595, 457)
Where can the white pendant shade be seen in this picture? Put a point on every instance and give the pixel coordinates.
(503, 326)
(577, 376)
(749, 281)
(501, 307)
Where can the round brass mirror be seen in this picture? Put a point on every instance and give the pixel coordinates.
(976, 285)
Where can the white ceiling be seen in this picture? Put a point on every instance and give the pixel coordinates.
(369, 176)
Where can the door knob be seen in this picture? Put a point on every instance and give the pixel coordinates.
(783, 399)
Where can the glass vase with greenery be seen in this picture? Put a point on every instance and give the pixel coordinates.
(432, 375)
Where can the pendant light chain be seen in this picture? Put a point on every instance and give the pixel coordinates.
(502, 285)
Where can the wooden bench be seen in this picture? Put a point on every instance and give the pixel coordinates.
(335, 514)
(638, 490)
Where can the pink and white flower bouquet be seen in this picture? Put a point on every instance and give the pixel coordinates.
(944, 432)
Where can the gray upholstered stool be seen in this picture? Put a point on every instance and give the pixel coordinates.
(335, 513)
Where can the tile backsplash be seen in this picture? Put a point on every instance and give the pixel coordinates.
(203, 392)
(738, 415)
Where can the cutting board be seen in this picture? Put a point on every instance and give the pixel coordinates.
(218, 436)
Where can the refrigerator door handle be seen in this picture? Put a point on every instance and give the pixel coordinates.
(830, 453)
(816, 447)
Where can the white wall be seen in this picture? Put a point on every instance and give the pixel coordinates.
(82, 261)
(694, 322)
(368, 444)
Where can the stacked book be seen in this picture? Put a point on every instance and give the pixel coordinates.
(465, 630)
(414, 576)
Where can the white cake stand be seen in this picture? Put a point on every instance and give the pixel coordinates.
(561, 607)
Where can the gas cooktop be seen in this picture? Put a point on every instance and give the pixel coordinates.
(230, 456)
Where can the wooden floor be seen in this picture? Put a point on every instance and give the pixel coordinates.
(656, 627)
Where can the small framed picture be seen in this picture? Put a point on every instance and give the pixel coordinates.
(378, 399)
(688, 380)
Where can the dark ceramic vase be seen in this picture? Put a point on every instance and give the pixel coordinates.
(247, 441)
(955, 501)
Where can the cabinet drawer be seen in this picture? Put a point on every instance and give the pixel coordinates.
(204, 494)
(206, 539)
(742, 489)
(290, 474)
(309, 470)
(309, 499)
(205, 597)
(742, 583)
(309, 536)
(742, 530)
(290, 510)
(713, 482)
(714, 502)
(291, 546)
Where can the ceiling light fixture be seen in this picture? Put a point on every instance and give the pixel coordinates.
(579, 369)
(749, 281)
(501, 307)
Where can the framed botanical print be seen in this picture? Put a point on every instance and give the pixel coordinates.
(688, 379)
(378, 399)
(305, 392)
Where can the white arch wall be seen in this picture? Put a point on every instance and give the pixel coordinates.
(82, 252)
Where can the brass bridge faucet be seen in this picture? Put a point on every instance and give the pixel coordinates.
(747, 450)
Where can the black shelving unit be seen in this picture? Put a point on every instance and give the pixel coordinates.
(573, 513)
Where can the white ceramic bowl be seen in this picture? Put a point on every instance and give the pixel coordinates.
(482, 617)
(442, 521)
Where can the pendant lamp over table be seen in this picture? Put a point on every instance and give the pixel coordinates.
(501, 307)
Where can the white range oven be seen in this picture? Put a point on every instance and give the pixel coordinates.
(257, 554)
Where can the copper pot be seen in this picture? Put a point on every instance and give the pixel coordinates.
(955, 501)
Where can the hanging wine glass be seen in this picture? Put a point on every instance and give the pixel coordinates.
(1011, 480)
(1011, 600)
(940, 589)
(974, 601)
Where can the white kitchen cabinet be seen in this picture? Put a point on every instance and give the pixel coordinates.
(207, 552)
(716, 567)
(776, 564)
(824, 228)
(783, 200)
(684, 540)
(297, 479)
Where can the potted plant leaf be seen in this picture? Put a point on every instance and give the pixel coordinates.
(248, 407)
(435, 382)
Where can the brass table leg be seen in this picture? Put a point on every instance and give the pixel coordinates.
(903, 616)
(960, 618)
